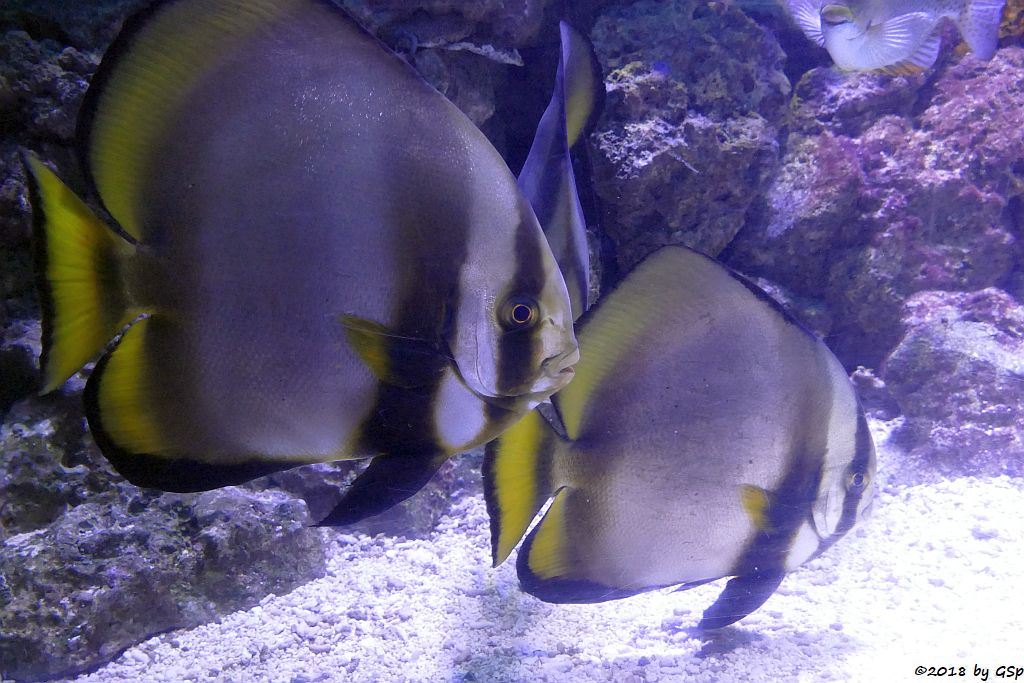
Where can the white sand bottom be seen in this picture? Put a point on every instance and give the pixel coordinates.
(935, 579)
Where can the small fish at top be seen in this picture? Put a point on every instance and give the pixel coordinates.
(706, 435)
(316, 257)
(896, 36)
(547, 177)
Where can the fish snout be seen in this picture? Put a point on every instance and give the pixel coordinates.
(560, 366)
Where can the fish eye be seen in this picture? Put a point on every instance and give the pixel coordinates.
(856, 480)
(835, 15)
(519, 313)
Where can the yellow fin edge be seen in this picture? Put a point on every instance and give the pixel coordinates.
(582, 82)
(548, 558)
(158, 65)
(514, 476)
(125, 392)
(608, 336)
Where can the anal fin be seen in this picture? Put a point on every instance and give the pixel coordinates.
(547, 566)
(122, 400)
(386, 481)
(517, 475)
(742, 595)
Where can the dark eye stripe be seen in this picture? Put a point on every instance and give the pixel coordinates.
(517, 350)
(861, 458)
(795, 492)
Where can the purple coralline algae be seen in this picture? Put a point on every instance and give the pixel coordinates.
(887, 211)
(865, 213)
(863, 191)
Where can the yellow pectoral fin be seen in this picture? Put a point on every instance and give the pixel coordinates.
(756, 502)
(369, 340)
(79, 262)
(394, 359)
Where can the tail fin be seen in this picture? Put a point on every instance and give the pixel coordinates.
(78, 276)
(518, 479)
(979, 26)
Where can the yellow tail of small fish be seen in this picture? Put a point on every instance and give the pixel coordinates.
(78, 265)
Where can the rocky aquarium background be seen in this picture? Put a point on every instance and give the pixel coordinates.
(886, 212)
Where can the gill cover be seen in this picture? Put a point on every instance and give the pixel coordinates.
(218, 136)
(514, 343)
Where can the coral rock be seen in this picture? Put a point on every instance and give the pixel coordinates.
(914, 202)
(958, 375)
(688, 139)
(107, 575)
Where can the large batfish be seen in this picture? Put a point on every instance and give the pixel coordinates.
(707, 434)
(315, 256)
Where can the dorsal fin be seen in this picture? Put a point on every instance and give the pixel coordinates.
(547, 178)
(610, 333)
(159, 56)
(582, 83)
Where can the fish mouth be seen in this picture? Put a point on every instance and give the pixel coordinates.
(551, 375)
(562, 365)
(558, 371)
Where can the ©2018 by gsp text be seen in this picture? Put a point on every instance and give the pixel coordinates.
(1003, 672)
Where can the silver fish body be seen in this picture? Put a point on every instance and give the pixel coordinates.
(706, 435)
(331, 260)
